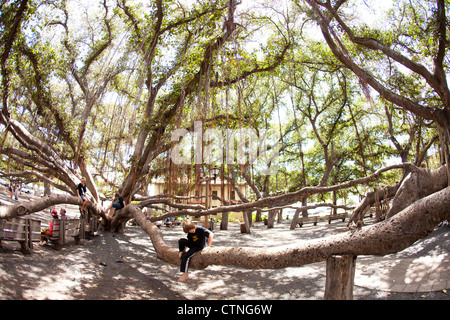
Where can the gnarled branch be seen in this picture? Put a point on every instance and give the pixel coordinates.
(389, 236)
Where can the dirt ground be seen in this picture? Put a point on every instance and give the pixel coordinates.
(124, 266)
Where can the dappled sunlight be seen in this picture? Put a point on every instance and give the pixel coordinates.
(124, 266)
(424, 266)
(235, 283)
(103, 268)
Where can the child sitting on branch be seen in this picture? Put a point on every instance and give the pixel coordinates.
(196, 241)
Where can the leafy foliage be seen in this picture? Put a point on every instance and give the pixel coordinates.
(104, 84)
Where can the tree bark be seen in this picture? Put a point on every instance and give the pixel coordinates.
(271, 219)
(294, 219)
(245, 227)
(340, 277)
(25, 208)
(389, 236)
(270, 202)
(224, 222)
(418, 184)
(369, 201)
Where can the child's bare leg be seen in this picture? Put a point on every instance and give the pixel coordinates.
(85, 204)
(183, 277)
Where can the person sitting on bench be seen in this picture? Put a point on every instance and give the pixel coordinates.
(46, 233)
(62, 212)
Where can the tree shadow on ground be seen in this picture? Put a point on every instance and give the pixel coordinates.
(424, 266)
(235, 283)
(124, 266)
(108, 267)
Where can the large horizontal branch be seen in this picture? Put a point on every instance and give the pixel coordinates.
(389, 236)
(165, 195)
(28, 207)
(39, 176)
(25, 208)
(197, 210)
(310, 207)
(169, 202)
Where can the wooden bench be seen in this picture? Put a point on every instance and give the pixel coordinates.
(338, 216)
(313, 219)
(316, 219)
(176, 222)
(25, 231)
(64, 228)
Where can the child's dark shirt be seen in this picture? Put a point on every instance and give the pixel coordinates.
(198, 239)
(81, 189)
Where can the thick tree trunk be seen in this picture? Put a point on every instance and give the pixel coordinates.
(294, 219)
(416, 185)
(340, 277)
(245, 227)
(271, 218)
(297, 212)
(389, 236)
(224, 222)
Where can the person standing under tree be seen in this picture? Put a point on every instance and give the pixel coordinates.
(81, 191)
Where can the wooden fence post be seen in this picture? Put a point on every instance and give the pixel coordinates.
(340, 277)
(62, 231)
(82, 230)
(30, 233)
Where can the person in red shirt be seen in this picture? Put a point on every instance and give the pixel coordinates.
(46, 233)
